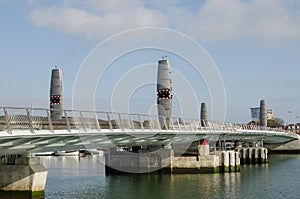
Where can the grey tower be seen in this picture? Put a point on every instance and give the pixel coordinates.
(164, 92)
(263, 114)
(203, 112)
(56, 97)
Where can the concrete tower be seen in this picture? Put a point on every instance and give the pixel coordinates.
(263, 114)
(203, 115)
(164, 92)
(203, 112)
(56, 97)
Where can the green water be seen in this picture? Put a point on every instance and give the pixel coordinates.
(70, 177)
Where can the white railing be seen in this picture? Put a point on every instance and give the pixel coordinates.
(15, 118)
(33, 119)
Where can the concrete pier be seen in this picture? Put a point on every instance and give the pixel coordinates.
(143, 161)
(229, 161)
(165, 161)
(237, 162)
(253, 155)
(203, 147)
(24, 174)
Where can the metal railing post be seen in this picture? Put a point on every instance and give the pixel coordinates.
(82, 121)
(207, 125)
(190, 125)
(7, 120)
(97, 121)
(210, 126)
(109, 122)
(173, 128)
(131, 122)
(29, 120)
(232, 128)
(141, 123)
(202, 122)
(158, 123)
(178, 123)
(150, 123)
(67, 121)
(195, 125)
(198, 125)
(185, 128)
(121, 122)
(165, 123)
(50, 121)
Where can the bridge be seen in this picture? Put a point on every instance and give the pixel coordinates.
(31, 130)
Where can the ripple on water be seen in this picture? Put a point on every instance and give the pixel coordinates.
(70, 177)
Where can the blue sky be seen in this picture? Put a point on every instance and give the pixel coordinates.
(255, 45)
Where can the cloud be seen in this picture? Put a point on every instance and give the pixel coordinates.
(98, 21)
(270, 21)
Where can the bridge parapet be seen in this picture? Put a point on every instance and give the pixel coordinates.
(26, 130)
(15, 118)
(34, 119)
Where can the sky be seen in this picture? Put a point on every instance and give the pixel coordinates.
(254, 44)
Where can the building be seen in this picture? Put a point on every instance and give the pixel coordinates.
(255, 113)
(292, 127)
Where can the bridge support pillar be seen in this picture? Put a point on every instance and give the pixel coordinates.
(237, 161)
(229, 161)
(232, 161)
(257, 156)
(225, 161)
(22, 175)
(264, 155)
(203, 148)
(167, 161)
(253, 155)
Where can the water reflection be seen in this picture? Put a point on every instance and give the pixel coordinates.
(205, 185)
(174, 186)
(74, 177)
(19, 195)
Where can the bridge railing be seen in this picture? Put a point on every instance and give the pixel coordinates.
(246, 128)
(14, 119)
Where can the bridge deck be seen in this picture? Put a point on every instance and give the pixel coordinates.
(24, 130)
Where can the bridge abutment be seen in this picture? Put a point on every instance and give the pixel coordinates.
(22, 174)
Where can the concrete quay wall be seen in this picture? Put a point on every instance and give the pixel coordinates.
(290, 147)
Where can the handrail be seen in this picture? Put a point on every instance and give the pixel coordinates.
(32, 119)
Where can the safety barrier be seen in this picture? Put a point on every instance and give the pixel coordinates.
(33, 119)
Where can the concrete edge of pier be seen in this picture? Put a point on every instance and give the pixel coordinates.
(22, 176)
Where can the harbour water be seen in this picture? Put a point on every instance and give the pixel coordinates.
(73, 177)
(84, 177)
